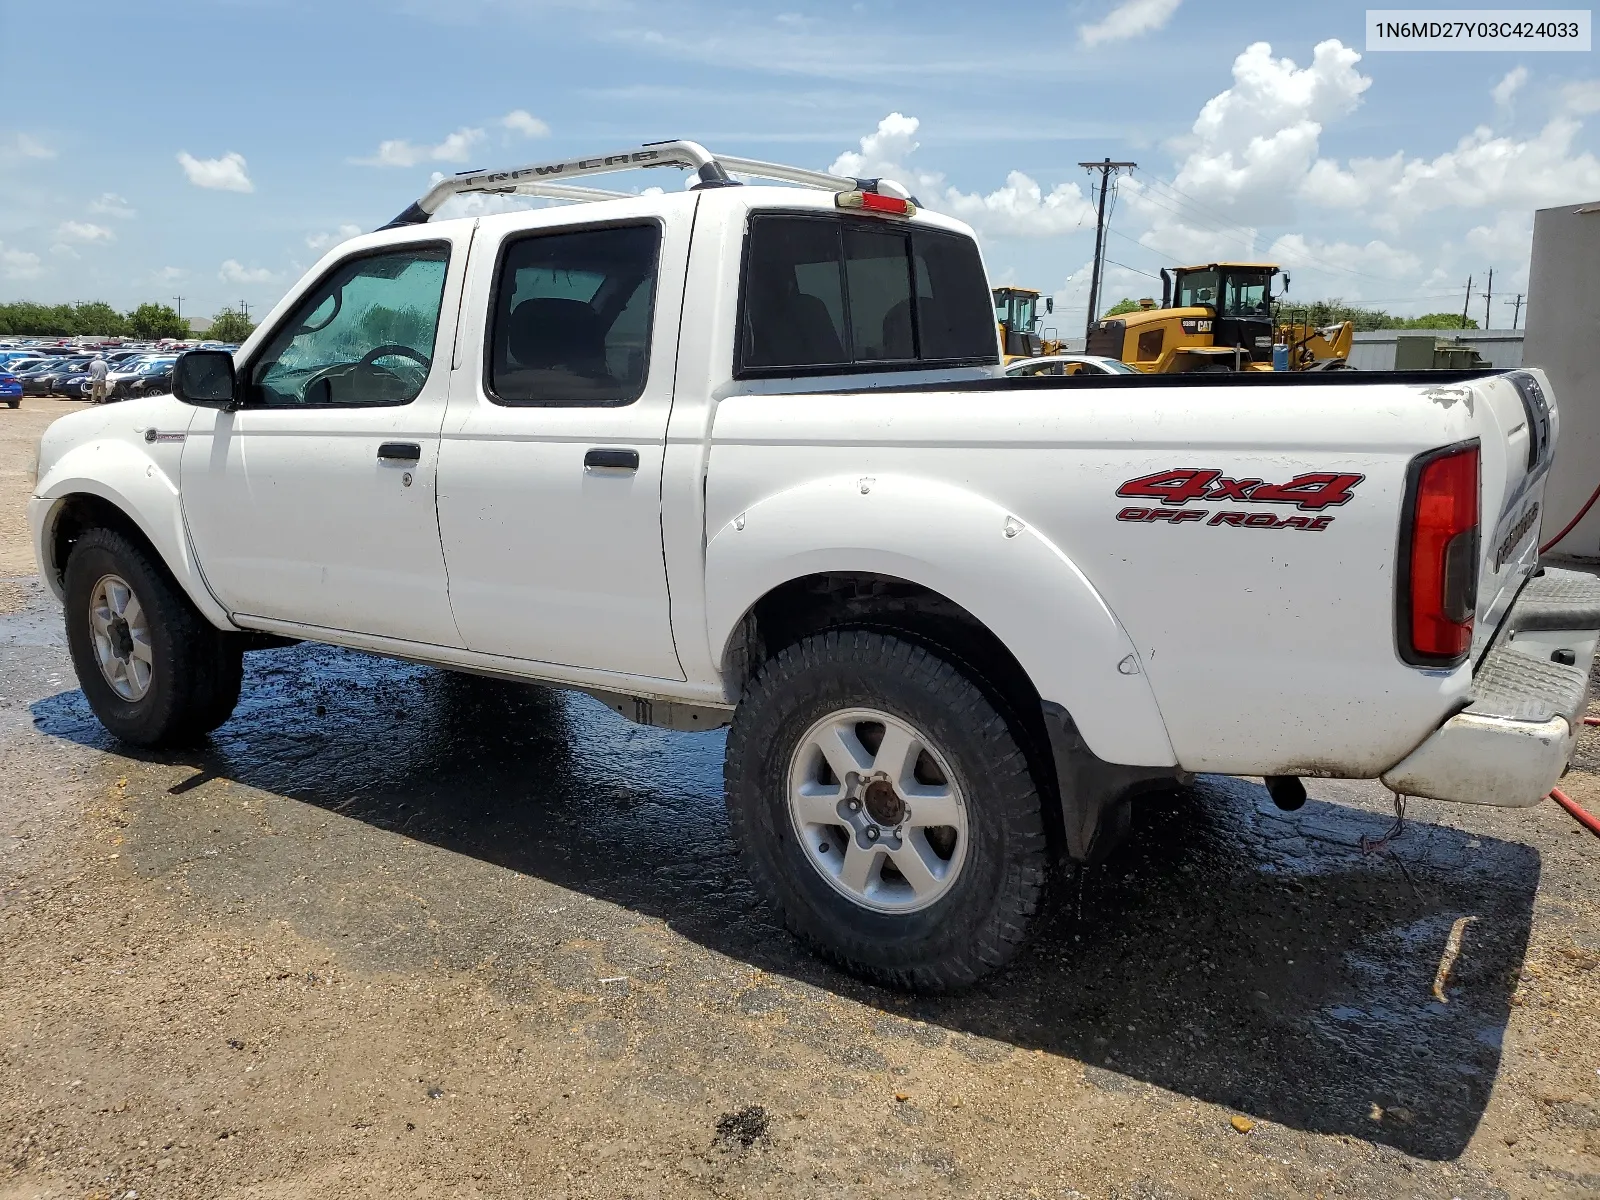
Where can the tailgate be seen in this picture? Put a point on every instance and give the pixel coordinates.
(1515, 416)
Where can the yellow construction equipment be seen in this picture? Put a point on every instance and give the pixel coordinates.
(1016, 311)
(1219, 317)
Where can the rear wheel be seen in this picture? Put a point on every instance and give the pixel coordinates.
(885, 810)
(153, 670)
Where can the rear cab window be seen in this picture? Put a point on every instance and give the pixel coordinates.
(822, 295)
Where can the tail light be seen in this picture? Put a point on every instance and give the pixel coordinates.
(876, 202)
(1438, 568)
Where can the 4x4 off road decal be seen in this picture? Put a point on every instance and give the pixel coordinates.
(1177, 488)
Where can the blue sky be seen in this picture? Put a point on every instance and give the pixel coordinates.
(215, 149)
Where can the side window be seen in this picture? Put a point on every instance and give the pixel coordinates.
(572, 315)
(363, 336)
(824, 294)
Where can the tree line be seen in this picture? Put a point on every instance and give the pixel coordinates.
(1335, 311)
(96, 318)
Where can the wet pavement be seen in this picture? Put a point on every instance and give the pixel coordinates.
(1244, 1000)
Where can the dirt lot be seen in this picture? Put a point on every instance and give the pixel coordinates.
(398, 932)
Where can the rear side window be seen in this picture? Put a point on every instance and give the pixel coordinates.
(824, 295)
(571, 317)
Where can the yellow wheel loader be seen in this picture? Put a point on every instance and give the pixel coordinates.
(1219, 317)
(1016, 311)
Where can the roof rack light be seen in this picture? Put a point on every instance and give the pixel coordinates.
(876, 202)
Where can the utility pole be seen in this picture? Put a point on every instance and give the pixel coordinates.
(1516, 313)
(179, 300)
(1488, 294)
(244, 310)
(1108, 170)
(1466, 302)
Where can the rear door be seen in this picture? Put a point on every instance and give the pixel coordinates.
(550, 463)
(313, 503)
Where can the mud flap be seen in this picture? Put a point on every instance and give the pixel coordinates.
(1095, 794)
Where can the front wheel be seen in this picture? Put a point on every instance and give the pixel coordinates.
(153, 670)
(884, 809)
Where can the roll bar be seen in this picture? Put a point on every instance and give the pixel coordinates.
(548, 178)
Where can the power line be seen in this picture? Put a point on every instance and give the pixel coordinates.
(1135, 270)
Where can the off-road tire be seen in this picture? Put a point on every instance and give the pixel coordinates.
(982, 921)
(196, 669)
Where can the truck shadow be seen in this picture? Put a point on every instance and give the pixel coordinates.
(1231, 953)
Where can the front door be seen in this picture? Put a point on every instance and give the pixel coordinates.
(550, 463)
(313, 503)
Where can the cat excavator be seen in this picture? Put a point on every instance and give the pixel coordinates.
(1219, 317)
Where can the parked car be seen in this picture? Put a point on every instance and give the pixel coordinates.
(47, 381)
(74, 384)
(10, 388)
(746, 455)
(144, 377)
(1069, 364)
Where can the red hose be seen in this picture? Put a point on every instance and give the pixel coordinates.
(1579, 814)
(1572, 524)
(1588, 820)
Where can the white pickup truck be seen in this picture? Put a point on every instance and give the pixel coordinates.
(746, 454)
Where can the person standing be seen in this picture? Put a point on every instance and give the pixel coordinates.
(97, 380)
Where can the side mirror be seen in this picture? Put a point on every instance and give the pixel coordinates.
(1049, 304)
(205, 378)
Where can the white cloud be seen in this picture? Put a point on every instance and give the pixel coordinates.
(19, 264)
(1020, 208)
(1482, 171)
(883, 151)
(1582, 97)
(321, 241)
(1374, 258)
(1131, 18)
(1254, 143)
(1509, 86)
(523, 122)
(112, 205)
(170, 274)
(83, 231)
(23, 146)
(397, 152)
(235, 272)
(225, 174)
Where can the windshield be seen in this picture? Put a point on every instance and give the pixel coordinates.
(1016, 311)
(1197, 288)
(1245, 295)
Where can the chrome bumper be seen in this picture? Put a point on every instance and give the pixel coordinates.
(1511, 745)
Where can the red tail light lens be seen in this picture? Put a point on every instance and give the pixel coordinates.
(1439, 557)
(876, 202)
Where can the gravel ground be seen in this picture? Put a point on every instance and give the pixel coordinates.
(397, 931)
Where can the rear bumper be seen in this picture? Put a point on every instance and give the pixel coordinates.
(1511, 745)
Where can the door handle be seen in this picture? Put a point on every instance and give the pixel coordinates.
(616, 460)
(400, 452)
